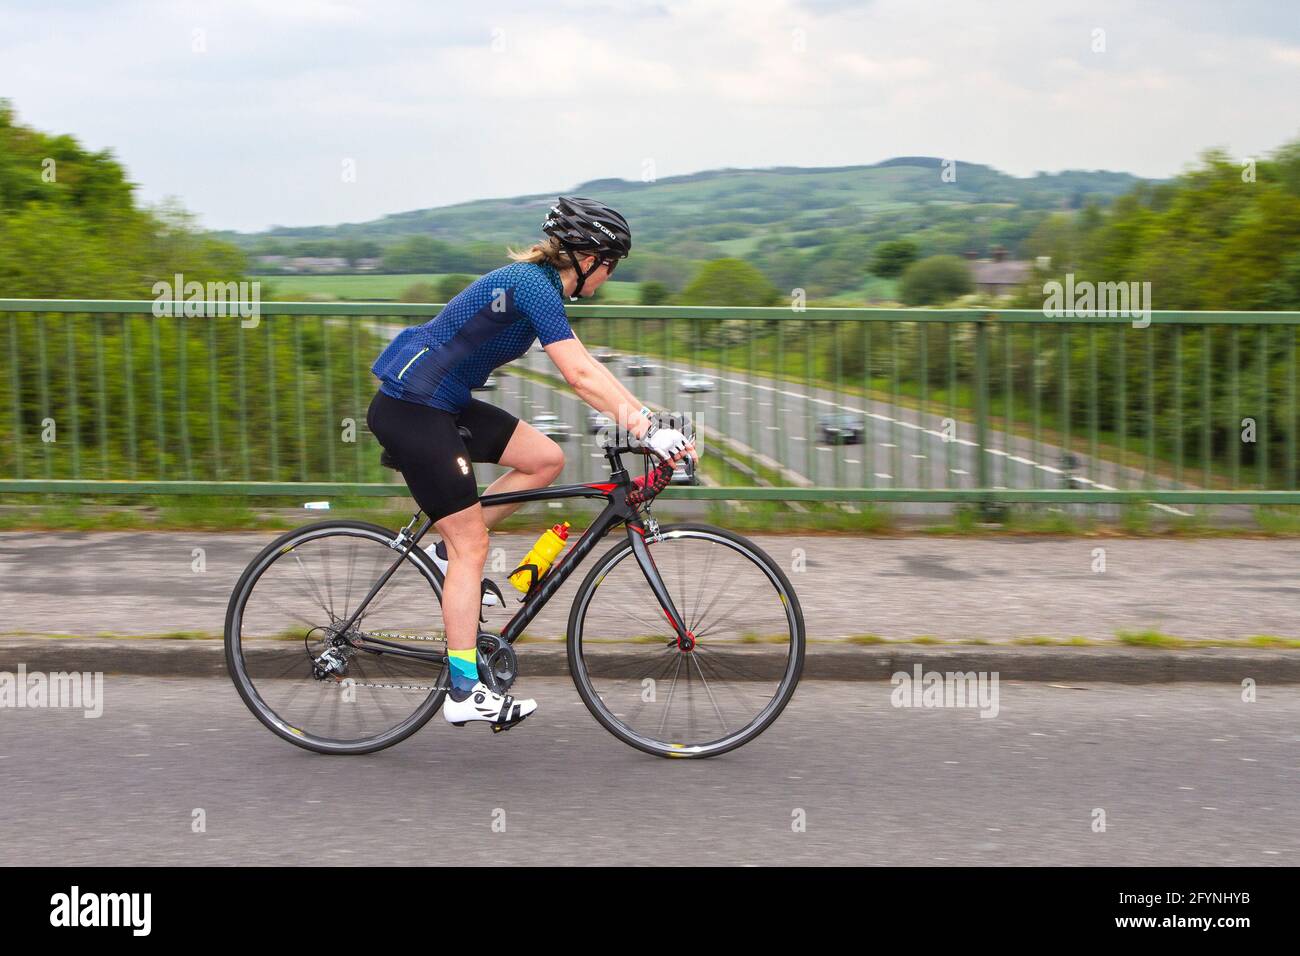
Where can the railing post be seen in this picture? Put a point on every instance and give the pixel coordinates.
(989, 509)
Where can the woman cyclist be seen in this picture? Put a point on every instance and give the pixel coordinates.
(426, 375)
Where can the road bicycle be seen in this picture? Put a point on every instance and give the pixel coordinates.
(684, 640)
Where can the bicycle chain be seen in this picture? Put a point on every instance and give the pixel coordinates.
(419, 687)
(401, 637)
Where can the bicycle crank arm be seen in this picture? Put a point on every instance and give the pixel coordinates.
(685, 639)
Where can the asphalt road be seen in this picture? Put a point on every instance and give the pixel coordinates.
(1185, 775)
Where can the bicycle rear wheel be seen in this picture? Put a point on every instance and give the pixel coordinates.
(301, 675)
(724, 692)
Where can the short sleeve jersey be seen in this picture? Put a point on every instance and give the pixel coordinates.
(492, 321)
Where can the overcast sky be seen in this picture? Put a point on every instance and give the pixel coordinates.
(247, 111)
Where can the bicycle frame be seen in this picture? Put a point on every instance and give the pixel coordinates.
(616, 511)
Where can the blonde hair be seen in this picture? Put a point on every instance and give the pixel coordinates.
(548, 250)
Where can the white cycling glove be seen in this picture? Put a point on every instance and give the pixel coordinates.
(667, 443)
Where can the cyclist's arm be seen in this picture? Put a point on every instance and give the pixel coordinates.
(596, 385)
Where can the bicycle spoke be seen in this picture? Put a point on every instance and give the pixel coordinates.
(312, 581)
(701, 578)
(669, 706)
(712, 700)
(716, 662)
(734, 687)
(718, 594)
(329, 582)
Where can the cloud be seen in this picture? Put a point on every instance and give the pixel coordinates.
(444, 103)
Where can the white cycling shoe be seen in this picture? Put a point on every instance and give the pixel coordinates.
(490, 599)
(501, 710)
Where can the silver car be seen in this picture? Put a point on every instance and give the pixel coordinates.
(551, 426)
(684, 472)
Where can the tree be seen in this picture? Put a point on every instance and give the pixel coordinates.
(891, 258)
(653, 293)
(934, 280)
(730, 282)
(70, 227)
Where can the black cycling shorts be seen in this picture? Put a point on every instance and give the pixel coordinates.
(436, 462)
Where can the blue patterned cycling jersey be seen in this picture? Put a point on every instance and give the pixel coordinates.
(491, 322)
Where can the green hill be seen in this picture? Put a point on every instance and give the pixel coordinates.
(807, 228)
(724, 205)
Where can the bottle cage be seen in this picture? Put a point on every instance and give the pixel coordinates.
(533, 570)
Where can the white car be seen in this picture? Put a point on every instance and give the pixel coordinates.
(551, 426)
(696, 383)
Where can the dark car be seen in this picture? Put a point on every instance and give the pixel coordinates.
(840, 429)
(638, 366)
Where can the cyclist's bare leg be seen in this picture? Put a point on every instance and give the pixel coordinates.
(535, 462)
(466, 538)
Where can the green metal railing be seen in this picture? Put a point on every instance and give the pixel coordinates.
(104, 397)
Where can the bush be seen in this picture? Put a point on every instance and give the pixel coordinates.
(934, 280)
(450, 286)
(419, 292)
(730, 282)
(891, 258)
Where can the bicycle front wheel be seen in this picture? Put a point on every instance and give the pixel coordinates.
(653, 695)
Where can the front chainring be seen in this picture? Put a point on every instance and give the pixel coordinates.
(497, 665)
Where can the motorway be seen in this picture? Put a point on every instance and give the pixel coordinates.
(777, 419)
(1185, 774)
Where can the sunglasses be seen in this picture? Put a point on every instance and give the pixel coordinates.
(611, 263)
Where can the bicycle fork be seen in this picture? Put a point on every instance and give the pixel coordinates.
(636, 535)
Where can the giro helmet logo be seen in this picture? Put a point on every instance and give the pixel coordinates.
(464, 466)
(597, 224)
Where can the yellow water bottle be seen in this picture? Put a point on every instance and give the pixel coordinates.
(542, 555)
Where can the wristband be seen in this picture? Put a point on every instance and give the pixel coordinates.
(650, 417)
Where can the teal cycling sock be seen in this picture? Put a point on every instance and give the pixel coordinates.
(464, 671)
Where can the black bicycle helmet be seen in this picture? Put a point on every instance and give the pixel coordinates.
(587, 226)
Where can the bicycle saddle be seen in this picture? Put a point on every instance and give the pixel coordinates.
(388, 461)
